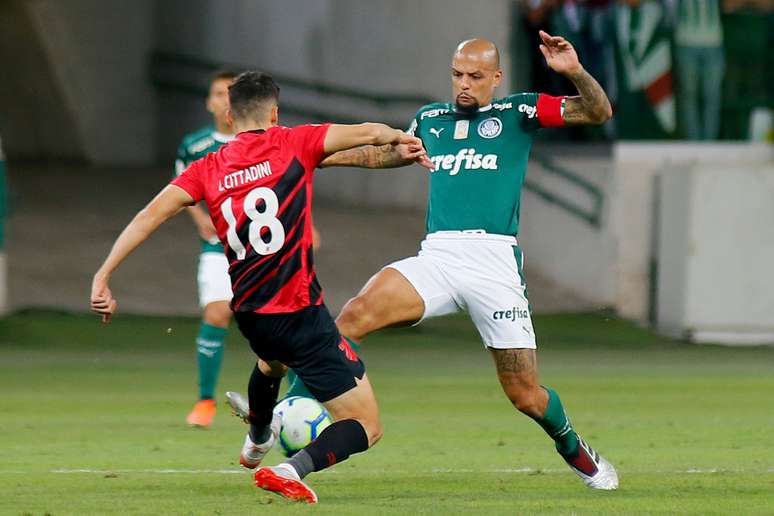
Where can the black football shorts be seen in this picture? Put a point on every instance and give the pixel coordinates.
(308, 342)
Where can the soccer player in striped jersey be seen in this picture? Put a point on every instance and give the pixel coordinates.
(212, 276)
(258, 189)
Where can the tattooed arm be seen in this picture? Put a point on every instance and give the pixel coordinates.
(592, 105)
(368, 156)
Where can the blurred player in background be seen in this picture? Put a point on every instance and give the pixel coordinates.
(212, 277)
(471, 259)
(258, 189)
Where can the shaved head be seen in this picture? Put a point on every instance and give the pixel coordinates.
(475, 74)
(481, 50)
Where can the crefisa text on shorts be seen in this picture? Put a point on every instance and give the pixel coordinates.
(510, 315)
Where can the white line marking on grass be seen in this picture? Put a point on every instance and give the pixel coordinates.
(155, 471)
(515, 471)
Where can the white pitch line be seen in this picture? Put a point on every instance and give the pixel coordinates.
(155, 471)
(523, 471)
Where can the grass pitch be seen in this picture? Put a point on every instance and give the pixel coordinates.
(92, 422)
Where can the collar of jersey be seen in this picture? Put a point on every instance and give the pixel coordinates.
(480, 110)
(222, 138)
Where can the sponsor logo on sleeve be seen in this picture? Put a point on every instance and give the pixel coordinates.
(431, 113)
(531, 111)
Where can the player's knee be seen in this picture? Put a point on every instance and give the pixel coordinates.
(217, 314)
(526, 400)
(355, 318)
(374, 431)
(272, 369)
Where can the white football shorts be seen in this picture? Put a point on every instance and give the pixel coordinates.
(479, 273)
(213, 279)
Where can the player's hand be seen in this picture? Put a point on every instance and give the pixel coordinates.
(560, 54)
(416, 153)
(102, 301)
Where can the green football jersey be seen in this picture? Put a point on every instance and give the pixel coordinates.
(194, 146)
(480, 161)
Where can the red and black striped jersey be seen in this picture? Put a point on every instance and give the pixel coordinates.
(258, 189)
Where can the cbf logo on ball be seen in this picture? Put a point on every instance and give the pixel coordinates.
(490, 128)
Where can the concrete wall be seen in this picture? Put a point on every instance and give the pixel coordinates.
(632, 207)
(395, 47)
(36, 122)
(563, 247)
(715, 280)
(399, 46)
(97, 55)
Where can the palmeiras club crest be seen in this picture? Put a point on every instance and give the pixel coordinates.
(490, 128)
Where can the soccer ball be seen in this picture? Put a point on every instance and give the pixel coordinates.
(302, 421)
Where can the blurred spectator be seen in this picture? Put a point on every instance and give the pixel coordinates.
(644, 99)
(537, 16)
(748, 88)
(700, 66)
(588, 25)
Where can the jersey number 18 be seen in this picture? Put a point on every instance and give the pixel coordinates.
(258, 220)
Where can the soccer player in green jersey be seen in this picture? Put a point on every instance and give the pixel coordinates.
(471, 260)
(212, 275)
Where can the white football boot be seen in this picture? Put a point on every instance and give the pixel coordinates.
(592, 468)
(239, 405)
(252, 454)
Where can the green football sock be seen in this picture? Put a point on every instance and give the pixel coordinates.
(209, 347)
(297, 388)
(557, 425)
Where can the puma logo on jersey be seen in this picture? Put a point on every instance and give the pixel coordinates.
(531, 111)
(465, 159)
(436, 132)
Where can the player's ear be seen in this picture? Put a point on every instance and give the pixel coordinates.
(498, 77)
(229, 117)
(275, 115)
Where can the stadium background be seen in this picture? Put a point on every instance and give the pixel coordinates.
(632, 221)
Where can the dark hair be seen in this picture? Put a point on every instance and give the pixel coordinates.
(223, 73)
(252, 92)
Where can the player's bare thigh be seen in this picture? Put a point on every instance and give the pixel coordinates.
(518, 375)
(388, 299)
(358, 403)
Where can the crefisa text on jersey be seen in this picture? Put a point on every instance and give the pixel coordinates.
(246, 175)
(465, 159)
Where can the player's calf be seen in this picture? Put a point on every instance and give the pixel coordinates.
(356, 428)
(262, 392)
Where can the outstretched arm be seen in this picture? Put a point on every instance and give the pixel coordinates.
(167, 203)
(592, 105)
(384, 156)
